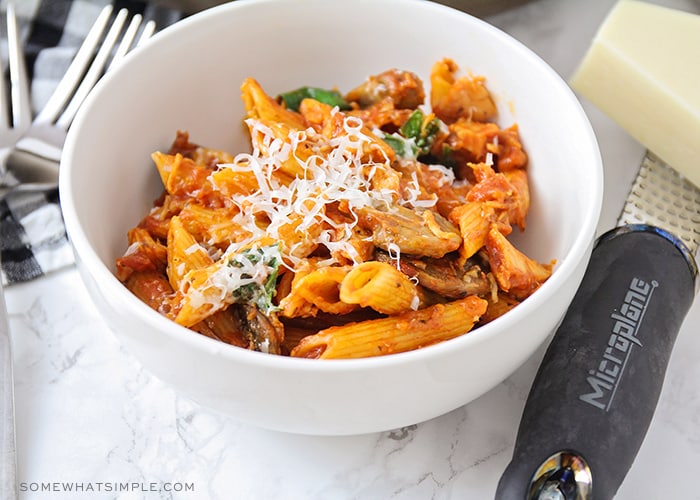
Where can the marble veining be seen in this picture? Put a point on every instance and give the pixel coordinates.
(89, 415)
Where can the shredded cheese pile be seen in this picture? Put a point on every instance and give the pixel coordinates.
(338, 170)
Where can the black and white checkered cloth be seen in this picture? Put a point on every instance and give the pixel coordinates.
(33, 240)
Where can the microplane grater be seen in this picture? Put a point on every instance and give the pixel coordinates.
(662, 197)
(599, 382)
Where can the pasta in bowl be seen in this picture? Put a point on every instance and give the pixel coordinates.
(360, 224)
(350, 202)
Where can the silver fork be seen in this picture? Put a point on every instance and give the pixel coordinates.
(22, 143)
(37, 153)
(17, 99)
(8, 455)
(16, 118)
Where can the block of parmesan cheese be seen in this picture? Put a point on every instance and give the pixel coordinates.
(643, 70)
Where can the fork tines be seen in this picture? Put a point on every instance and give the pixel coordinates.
(16, 111)
(15, 105)
(91, 61)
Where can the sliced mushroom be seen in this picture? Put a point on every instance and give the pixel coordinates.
(265, 332)
(414, 232)
(444, 276)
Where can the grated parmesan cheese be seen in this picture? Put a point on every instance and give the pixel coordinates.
(339, 170)
(133, 248)
(192, 248)
(394, 254)
(414, 192)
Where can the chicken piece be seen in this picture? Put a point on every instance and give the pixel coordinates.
(153, 288)
(509, 152)
(507, 193)
(435, 179)
(185, 178)
(415, 232)
(320, 117)
(498, 306)
(494, 188)
(403, 87)
(459, 98)
(331, 125)
(207, 157)
(466, 142)
(516, 273)
(144, 254)
(383, 115)
(157, 222)
(473, 142)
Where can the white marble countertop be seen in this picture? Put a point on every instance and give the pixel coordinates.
(89, 416)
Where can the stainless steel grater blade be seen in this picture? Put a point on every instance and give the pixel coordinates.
(597, 387)
(661, 197)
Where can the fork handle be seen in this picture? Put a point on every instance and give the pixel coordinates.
(8, 456)
(28, 168)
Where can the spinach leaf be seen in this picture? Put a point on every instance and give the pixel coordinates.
(422, 130)
(331, 97)
(264, 263)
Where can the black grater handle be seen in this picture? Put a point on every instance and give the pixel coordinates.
(600, 380)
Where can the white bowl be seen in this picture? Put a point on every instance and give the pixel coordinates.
(188, 77)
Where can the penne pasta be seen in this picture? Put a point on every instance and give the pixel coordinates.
(405, 332)
(181, 175)
(185, 254)
(517, 212)
(281, 122)
(200, 297)
(474, 220)
(380, 286)
(230, 182)
(318, 290)
(213, 226)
